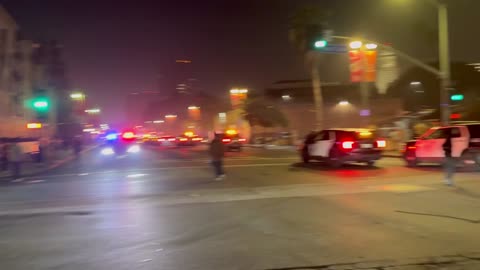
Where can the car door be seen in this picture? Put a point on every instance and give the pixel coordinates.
(460, 140)
(430, 147)
(322, 144)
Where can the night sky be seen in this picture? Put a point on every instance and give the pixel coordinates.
(115, 47)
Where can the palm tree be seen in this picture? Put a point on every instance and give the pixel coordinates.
(304, 26)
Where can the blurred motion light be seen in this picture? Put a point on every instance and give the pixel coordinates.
(170, 116)
(158, 121)
(193, 107)
(355, 45)
(231, 132)
(133, 149)
(343, 103)
(93, 111)
(77, 96)
(320, 44)
(415, 83)
(457, 97)
(34, 125)
(371, 46)
(107, 151)
(286, 97)
(238, 91)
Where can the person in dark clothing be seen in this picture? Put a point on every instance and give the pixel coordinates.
(77, 146)
(217, 153)
(4, 157)
(450, 161)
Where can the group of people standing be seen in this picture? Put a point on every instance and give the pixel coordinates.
(11, 156)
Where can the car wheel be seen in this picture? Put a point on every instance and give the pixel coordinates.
(305, 155)
(470, 160)
(334, 160)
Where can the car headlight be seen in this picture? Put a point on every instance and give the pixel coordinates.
(107, 151)
(133, 149)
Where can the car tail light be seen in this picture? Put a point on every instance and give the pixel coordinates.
(242, 140)
(347, 145)
(226, 140)
(171, 139)
(381, 143)
(128, 135)
(412, 147)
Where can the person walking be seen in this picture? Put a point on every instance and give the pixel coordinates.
(16, 156)
(4, 156)
(216, 154)
(450, 161)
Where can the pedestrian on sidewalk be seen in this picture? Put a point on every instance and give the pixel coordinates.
(4, 156)
(216, 154)
(450, 161)
(16, 157)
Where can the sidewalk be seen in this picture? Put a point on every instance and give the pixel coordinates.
(54, 158)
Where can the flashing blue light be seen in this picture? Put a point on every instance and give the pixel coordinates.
(111, 137)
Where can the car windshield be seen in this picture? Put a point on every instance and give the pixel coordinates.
(253, 134)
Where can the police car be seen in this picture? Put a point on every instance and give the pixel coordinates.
(428, 147)
(339, 146)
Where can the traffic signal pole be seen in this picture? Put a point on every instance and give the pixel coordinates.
(444, 56)
(317, 91)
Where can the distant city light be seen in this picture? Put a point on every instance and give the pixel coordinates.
(415, 83)
(343, 103)
(286, 97)
(238, 91)
(371, 46)
(93, 111)
(193, 107)
(158, 121)
(77, 96)
(170, 116)
(34, 125)
(365, 112)
(356, 44)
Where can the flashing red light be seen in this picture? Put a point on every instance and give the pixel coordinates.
(381, 143)
(226, 140)
(347, 145)
(171, 139)
(128, 135)
(242, 140)
(455, 116)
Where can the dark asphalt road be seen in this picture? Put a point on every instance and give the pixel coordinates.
(162, 210)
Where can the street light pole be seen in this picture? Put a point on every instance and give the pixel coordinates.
(317, 91)
(444, 59)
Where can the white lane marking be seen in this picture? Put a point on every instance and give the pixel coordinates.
(136, 175)
(217, 196)
(171, 168)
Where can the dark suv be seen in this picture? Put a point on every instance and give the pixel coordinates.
(339, 146)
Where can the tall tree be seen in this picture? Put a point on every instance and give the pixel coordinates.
(259, 112)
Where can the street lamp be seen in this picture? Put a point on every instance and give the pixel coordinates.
(93, 111)
(355, 45)
(77, 96)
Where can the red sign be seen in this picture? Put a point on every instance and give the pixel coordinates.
(363, 65)
(356, 65)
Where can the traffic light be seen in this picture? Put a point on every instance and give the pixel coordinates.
(40, 104)
(317, 38)
(320, 44)
(456, 97)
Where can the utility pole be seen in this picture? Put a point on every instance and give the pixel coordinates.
(317, 91)
(444, 59)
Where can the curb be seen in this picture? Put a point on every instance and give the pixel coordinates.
(56, 164)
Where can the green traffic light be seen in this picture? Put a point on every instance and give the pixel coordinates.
(457, 97)
(41, 104)
(320, 44)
